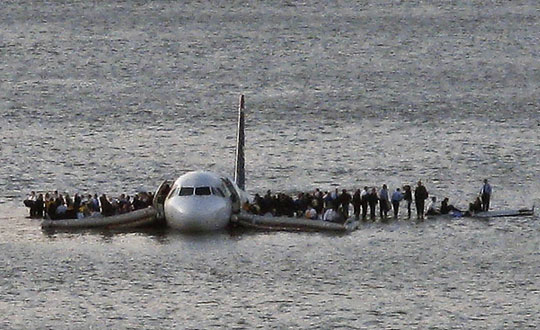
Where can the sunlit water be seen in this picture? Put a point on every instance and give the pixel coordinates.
(117, 97)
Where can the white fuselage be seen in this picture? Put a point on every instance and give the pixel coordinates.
(200, 201)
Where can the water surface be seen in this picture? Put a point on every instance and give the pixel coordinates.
(117, 97)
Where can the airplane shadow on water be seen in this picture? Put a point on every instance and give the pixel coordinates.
(165, 235)
(159, 234)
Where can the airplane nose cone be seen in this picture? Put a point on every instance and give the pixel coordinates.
(197, 213)
(194, 216)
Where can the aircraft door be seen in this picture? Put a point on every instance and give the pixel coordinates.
(160, 196)
(235, 198)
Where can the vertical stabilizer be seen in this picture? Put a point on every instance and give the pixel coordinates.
(239, 171)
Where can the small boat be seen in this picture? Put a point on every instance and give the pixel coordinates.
(138, 218)
(287, 223)
(505, 213)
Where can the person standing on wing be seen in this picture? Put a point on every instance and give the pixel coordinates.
(407, 196)
(383, 202)
(357, 202)
(397, 196)
(485, 192)
(420, 195)
(372, 200)
(364, 195)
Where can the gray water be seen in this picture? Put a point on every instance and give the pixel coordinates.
(99, 97)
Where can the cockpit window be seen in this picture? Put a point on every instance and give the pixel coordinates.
(173, 192)
(186, 191)
(203, 191)
(216, 191)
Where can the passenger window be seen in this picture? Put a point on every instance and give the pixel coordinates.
(217, 192)
(186, 191)
(203, 191)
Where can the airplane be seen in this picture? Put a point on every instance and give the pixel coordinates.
(201, 201)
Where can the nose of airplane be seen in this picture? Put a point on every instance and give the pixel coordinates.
(197, 213)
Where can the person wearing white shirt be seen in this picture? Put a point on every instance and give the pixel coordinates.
(332, 215)
(432, 208)
(311, 213)
(334, 195)
(364, 198)
(30, 202)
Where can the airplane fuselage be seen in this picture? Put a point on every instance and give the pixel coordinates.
(205, 201)
(201, 201)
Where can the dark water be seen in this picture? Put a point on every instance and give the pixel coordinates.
(99, 97)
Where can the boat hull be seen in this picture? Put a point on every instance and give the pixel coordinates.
(287, 223)
(138, 218)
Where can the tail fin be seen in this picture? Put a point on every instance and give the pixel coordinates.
(239, 172)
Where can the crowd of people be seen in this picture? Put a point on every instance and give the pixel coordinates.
(56, 206)
(336, 206)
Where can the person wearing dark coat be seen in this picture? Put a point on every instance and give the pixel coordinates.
(267, 204)
(420, 195)
(407, 196)
(344, 200)
(51, 208)
(372, 199)
(301, 203)
(137, 203)
(106, 207)
(445, 208)
(30, 203)
(383, 202)
(319, 204)
(357, 202)
(76, 202)
(476, 206)
(39, 206)
(485, 193)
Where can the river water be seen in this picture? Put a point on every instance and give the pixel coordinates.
(115, 97)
